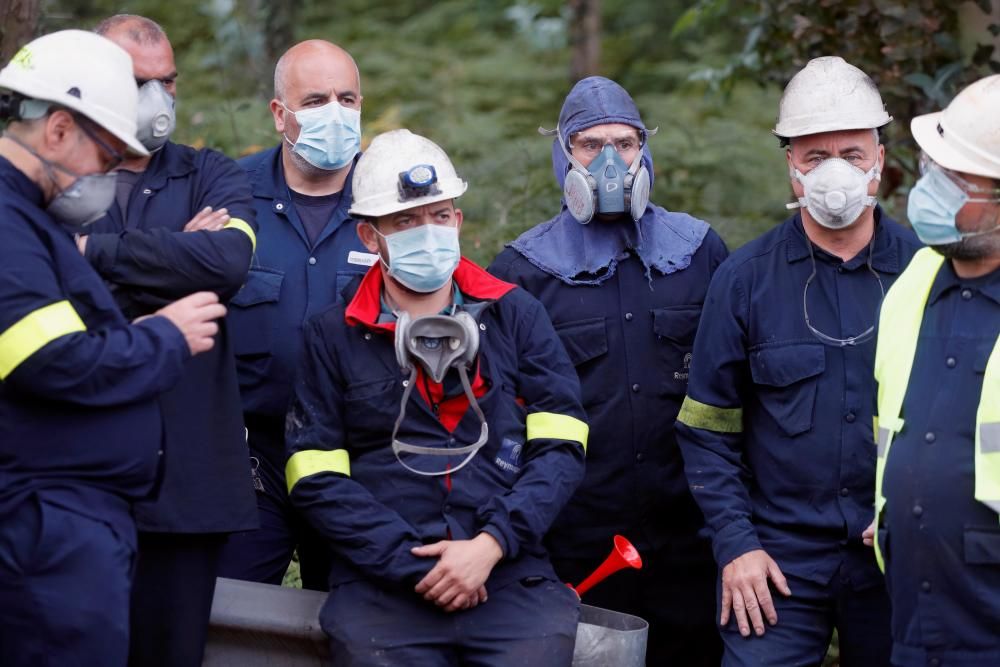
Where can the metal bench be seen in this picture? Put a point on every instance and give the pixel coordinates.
(258, 625)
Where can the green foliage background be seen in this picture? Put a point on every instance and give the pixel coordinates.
(480, 77)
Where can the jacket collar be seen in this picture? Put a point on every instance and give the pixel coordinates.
(14, 179)
(365, 306)
(885, 254)
(171, 161)
(947, 280)
(268, 179)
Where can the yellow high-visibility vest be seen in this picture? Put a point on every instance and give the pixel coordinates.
(899, 328)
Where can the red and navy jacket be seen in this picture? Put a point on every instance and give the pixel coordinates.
(149, 261)
(79, 420)
(342, 473)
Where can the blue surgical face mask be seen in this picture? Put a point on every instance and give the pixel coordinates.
(932, 206)
(609, 170)
(423, 258)
(329, 136)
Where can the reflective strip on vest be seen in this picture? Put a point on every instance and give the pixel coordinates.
(236, 223)
(899, 330)
(988, 434)
(314, 461)
(34, 331)
(710, 418)
(557, 427)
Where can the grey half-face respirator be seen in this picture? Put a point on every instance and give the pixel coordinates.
(608, 185)
(157, 115)
(437, 343)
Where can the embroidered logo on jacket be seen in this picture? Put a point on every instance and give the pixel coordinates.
(509, 456)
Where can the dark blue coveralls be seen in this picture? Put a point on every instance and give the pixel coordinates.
(776, 434)
(942, 546)
(345, 479)
(80, 439)
(206, 490)
(291, 280)
(629, 335)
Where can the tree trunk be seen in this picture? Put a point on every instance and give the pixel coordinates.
(584, 38)
(279, 27)
(18, 21)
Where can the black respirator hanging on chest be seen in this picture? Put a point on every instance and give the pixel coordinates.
(437, 344)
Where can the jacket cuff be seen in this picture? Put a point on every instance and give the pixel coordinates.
(102, 249)
(736, 539)
(497, 534)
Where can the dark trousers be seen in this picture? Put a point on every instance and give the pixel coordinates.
(673, 592)
(523, 625)
(805, 625)
(64, 588)
(172, 598)
(263, 555)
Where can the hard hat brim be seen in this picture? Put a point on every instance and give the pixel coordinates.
(29, 89)
(925, 133)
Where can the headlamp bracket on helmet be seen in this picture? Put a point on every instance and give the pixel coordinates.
(418, 181)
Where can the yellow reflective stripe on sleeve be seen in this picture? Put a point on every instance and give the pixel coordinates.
(236, 223)
(312, 461)
(557, 427)
(710, 418)
(34, 331)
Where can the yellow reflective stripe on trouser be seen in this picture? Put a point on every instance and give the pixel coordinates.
(557, 427)
(710, 418)
(34, 331)
(899, 328)
(236, 223)
(988, 435)
(312, 461)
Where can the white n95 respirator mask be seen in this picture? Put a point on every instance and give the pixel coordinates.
(836, 192)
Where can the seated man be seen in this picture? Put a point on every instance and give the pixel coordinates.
(434, 499)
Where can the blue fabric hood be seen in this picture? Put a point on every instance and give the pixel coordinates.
(588, 254)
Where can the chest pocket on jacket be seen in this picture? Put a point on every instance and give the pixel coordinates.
(371, 408)
(583, 339)
(586, 341)
(786, 379)
(675, 328)
(982, 545)
(252, 312)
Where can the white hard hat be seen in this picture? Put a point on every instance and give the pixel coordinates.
(827, 95)
(81, 71)
(402, 170)
(966, 135)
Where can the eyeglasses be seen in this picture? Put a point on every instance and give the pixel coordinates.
(592, 146)
(976, 193)
(115, 157)
(826, 339)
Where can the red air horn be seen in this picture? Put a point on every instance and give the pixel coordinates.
(623, 555)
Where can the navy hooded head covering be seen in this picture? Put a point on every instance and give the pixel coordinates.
(588, 254)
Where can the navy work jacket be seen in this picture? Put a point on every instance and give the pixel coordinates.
(290, 281)
(942, 546)
(150, 261)
(776, 431)
(630, 339)
(345, 479)
(79, 420)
